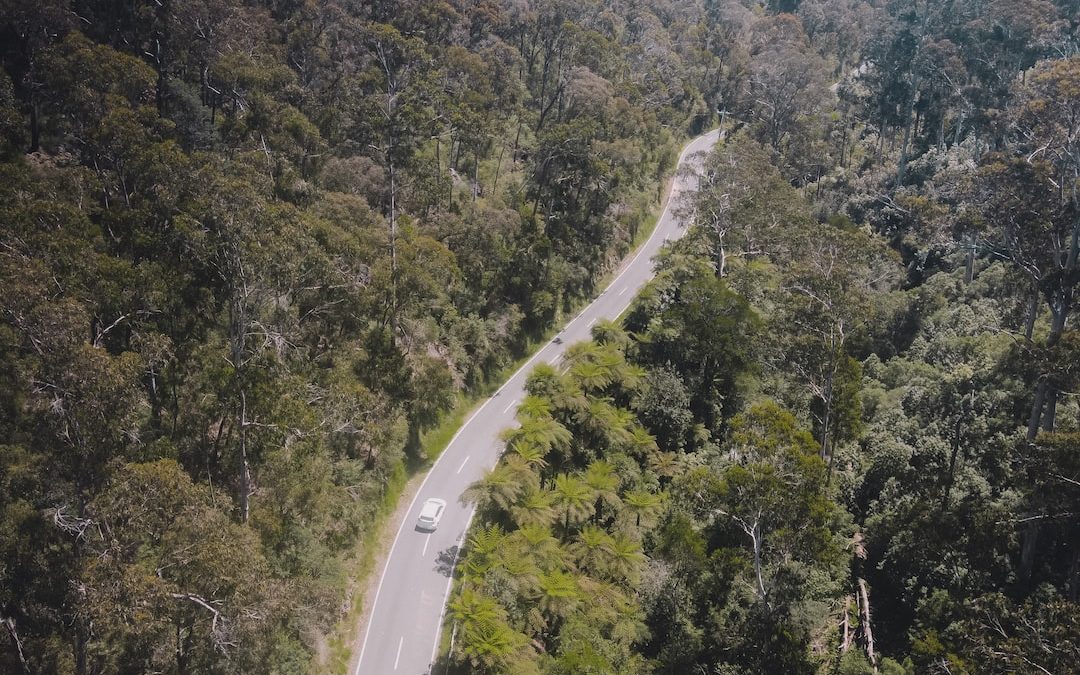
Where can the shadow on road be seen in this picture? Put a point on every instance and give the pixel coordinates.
(444, 562)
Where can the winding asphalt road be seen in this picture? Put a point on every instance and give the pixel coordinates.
(403, 628)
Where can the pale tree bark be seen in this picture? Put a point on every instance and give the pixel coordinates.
(238, 330)
(246, 487)
(908, 122)
(758, 539)
(389, 111)
(867, 630)
(752, 529)
(1033, 311)
(827, 396)
(845, 627)
(246, 298)
(1044, 403)
(9, 624)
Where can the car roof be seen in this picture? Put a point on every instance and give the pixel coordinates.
(432, 505)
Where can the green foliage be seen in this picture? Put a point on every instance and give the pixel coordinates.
(264, 250)
(251, 255)
(693, 321)
(172, 564)
(886, 497)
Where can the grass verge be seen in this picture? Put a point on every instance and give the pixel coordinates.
(433, 442)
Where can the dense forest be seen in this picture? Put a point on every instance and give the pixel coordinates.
(839, 432)
(252, 251)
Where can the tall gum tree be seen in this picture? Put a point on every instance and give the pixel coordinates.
(1049, 125)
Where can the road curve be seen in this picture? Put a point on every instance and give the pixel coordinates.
(406, 616)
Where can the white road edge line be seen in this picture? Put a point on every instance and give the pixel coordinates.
(427, 540)
(512, 404)
(463, 463)
(378, 589)
(398, 657)
(449, 584)
(591, 322)
(526, 365)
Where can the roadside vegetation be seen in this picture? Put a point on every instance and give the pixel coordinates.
(252, 252)
(838, 432)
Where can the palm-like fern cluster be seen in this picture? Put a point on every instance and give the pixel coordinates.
(549, 575)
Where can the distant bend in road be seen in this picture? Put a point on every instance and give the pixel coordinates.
(406, 616)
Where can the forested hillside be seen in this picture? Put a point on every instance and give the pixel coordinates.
(839, 432)
(251, 251)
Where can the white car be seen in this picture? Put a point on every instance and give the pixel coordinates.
(430, 514)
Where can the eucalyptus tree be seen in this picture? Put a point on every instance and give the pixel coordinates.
(1049, 118)
(694, 322)
(831, 291)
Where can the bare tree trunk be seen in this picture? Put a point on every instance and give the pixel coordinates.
(969, 269)
(9, 623)
(1037, 409)
(826, 423)
(245, 465)
(1033, 311)
(845, 627)
(1073, 577)
(238, 330)
(843, 144)
(905, 147)
(543, 91)
(390, 112)
(868, 633)
(498, 168)
(517, 141)
(35, 126)
(757, 569)
(946, 494)
(161, 88)
(1044, 405)
(1051, 409)
(476, 176)
(757, 539)
(1029, 540)
(393, 246)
